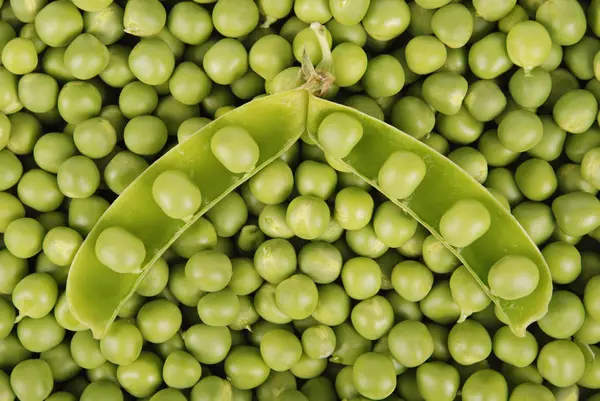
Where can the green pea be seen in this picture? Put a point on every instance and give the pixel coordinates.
(564, 261)
(120, 250)
(219, 308)
(181, 370)
(131, 307)
(244, 278)
(484, 100)
(339, 133)
(210, 271)
(84, 213)
(349, 345)
(19, 56)
(276, 383)
(590, 299)
(439, 305)
(32, 380)
(144, 18)
(235, 149)
(196, 338)
(40, 191)
(392, 225)
(40, 334)
(575, 111)
(526, 390)
(561, 362)
(137, 98)
(467, 292)
(51, 150)
(513, 277)
(12, 169)
(536, 179)
(384, 76)
(361, 278)
(520, 130)
(412, 280)
(576, 146)
(61, 244)
(576, 213)
(413, 116)
(437, 381)
(23, 237)
(380, 14)
(469, 342)
(61, 363)
(189, 84)
(530, 91)
(553, 139)
(518, 351)
(86, 56)
(152, 61)
(226, 61)
(333, 306)
(373, 318)
(488, 57)
(307, 216)
(528, 44)
(485, 383)
(159, 320)
(11, 210)
(563, 19)
(190, 126)
(176, 194)
(142, 377)
(78, 101)
(190, 23)
(344, 383)
(589, 167)
(123, 169)
(321, 261)
(35, 295)
(319, 388)
(106, 24)
(273, 184)
(589, 331)
(410, 343)
(236, 367)
(85, 350)
(401, 174)
(280, 349)
(103, 388)
(374, 376)
(537, 220)
(453, 25)
(117, 73)
(464, 222)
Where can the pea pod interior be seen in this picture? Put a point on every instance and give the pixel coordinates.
(96, 293)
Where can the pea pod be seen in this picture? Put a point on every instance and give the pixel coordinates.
(95, 292)
(368, 147)
(441, 187)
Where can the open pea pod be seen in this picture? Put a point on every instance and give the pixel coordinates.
(94, 291)
(443, 185)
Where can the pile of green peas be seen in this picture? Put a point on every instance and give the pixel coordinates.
(306, 284)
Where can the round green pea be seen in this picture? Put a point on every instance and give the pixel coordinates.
(219, 308)
(374, 376)
(410, 343)
(122, 343)
(467, 292)
(561, 362)
(209, 270)
(236, 367)
(159, 320)
(86, 56)
(513, 277)
(469, 342)
(464, 222)
(373, 318)
(412, 280)
(297, 296)
(339, 133)
(181, 370)
(401, 174)
(144, 17)
(235, 148)
(152, 61)
(485, 383)
(24, 237)
(78, 177)
(518, 351)
(78, 101)
(120, 250)
(438, 381)
(32, 380)
(361, 277)
(142, 377)
(61, 244)
(176, 194)
(196, 338)
(40, 191)
(333, 306)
